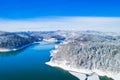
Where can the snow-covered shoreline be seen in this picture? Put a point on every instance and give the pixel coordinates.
(77, 72)
(16, 49)
(4, 50)
(82, 76)
(50, 40)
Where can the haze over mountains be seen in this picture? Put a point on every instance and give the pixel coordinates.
(104, 24)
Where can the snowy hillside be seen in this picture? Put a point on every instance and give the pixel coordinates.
(90, 52)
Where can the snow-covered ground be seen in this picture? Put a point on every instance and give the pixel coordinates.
(15, 49)
(4, 50)
(50, 40)
(81, 73)
(92, 53)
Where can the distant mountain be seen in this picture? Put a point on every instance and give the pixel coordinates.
(13, 40)
(17, 40)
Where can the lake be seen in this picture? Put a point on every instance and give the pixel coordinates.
(29, 64)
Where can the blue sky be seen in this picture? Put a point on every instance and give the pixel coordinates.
(37, 15)
(20, 9)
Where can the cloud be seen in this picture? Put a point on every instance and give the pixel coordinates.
(111, 24)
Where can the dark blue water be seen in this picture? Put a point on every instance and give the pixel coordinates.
(29, 64)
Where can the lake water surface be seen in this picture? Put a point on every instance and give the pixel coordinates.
(29, 64)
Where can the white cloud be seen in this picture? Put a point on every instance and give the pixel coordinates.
(111, 24)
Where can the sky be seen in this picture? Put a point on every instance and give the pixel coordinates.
(29, 15)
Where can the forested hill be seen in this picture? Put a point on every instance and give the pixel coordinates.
(12, 40)
(90, 51)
